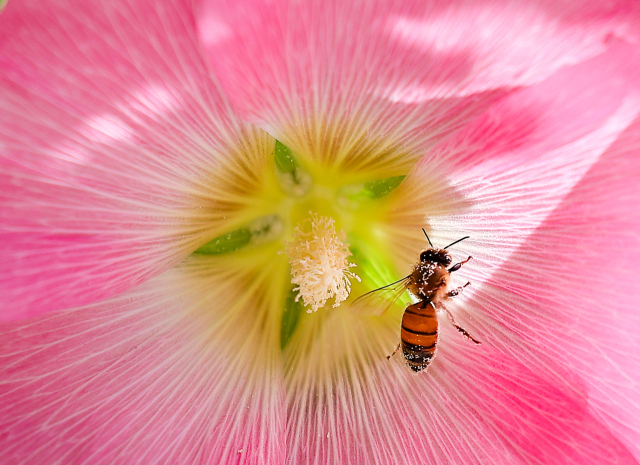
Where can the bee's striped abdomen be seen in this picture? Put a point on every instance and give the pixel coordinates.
(419, 335)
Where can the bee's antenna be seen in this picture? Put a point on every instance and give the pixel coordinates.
(425, 233)
(459, 240)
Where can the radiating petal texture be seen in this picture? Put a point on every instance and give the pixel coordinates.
(176, 371)
(540, 418)
(351, 76)
(112, 144)
(572, 293)
(348, 405)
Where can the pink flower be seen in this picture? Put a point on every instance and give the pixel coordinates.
(133, 134)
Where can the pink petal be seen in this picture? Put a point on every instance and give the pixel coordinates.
(407, 71)
(509, 169)
(172, 372)
(540, 418)
(573, 297)
(110, 136)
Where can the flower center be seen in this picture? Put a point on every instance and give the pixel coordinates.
(302, 230)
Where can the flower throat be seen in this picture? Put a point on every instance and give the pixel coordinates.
(322, 232)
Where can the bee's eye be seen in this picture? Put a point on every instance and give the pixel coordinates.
(446, 260)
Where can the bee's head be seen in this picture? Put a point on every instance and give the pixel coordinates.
(440, 256)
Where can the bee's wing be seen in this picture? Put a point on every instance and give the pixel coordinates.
(380, 300)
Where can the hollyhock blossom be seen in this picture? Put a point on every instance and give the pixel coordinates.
(181, 180)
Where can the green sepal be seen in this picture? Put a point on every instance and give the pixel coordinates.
(285, 160)
(290, 318)
(369, 190)
(381, 187)
(227, 242)
(293, 178)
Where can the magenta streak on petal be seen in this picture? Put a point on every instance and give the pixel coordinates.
(576, 296)
(537, 416)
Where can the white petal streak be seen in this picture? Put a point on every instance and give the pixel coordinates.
(519, 199)
(501, 41)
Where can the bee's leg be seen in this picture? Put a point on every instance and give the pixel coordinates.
(458, 327)
(457, 290)
(457, 266)
(394, 352)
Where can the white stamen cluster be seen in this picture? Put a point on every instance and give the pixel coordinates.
(319, 265)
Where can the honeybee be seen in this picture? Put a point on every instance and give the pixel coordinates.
(428, 281)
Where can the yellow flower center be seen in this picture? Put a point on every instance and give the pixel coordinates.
(313, 229)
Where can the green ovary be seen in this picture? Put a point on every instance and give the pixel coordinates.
(294, 191)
